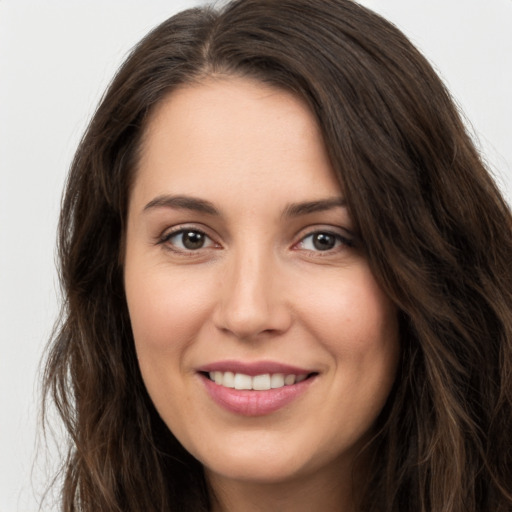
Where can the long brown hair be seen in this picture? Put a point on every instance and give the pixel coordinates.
(437, 233)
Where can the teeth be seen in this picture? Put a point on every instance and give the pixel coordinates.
(289, 380)
(277, 380)
(243, 381)
(261, 382)
(258, 382)
(228, 379)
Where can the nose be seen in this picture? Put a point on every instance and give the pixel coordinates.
(252, 299)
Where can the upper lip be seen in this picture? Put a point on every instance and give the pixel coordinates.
(253, 368)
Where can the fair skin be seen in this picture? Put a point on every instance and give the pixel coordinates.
(241, 256)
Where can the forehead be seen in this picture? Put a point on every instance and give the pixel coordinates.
(245, 133)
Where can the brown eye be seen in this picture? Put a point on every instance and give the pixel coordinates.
(192, 239)
(188, 240)
(323, 241)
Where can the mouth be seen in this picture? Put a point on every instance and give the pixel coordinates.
(260, 382)
(255, 389)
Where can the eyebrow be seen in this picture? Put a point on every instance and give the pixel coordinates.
(202, 206)
(298, 209)
(184, 203)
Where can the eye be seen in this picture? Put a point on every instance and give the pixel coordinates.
(188, 240)
(323, 241)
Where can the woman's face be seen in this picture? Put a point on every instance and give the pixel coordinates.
(262, 336)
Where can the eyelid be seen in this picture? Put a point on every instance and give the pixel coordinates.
(167, 234)
(346, 237)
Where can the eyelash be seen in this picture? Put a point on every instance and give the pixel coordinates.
(166, 238)
(340, 241)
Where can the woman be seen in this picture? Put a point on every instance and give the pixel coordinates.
(287, 277)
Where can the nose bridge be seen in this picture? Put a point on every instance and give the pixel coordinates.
(251, 300)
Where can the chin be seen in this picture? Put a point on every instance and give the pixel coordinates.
(267, 461)
(256, 469)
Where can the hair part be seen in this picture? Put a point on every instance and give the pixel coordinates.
(437, 233)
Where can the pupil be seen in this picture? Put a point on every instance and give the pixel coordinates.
(324, 241)
(193, 240)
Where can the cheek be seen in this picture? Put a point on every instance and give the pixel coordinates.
(167, 312)
(357, 326)
(350, 314)
(167, 308)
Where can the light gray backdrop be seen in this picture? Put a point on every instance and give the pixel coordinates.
(56, 57)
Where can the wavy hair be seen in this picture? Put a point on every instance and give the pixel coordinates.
(438, 237)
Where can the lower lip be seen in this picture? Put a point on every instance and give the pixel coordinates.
(255, 403)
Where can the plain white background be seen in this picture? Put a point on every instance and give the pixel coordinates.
(56, 58)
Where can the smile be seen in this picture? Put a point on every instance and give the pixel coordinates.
(255, 389)
(261, 382)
